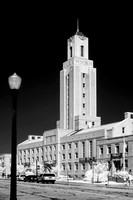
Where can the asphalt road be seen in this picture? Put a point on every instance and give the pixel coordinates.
(65, 191)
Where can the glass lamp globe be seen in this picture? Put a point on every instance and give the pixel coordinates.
(14, 81)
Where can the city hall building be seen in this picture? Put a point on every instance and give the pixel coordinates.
(79, 139)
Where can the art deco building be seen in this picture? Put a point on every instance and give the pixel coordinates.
(79, 138)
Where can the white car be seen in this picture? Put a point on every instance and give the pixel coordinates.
(21, 177)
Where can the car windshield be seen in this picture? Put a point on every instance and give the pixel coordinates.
(48, 174)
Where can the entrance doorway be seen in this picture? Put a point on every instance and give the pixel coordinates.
(117, 165)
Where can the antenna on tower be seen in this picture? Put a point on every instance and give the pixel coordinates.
(77, 25)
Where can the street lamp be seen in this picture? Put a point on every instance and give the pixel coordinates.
(14, 84)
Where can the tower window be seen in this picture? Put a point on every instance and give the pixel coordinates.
(82, 50)
(83, 105)
(83, 75)
(71, 51)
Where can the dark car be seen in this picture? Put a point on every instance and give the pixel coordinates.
(30, 178)
(46, 178)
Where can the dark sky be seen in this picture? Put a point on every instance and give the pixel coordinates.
(34, 45)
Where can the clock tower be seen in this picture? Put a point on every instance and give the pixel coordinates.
(78, 87)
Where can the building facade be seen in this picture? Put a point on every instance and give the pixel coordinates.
(5, 165)
(30, 150)
(79, 140)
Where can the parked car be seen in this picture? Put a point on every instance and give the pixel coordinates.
(21, 177)
(30, 178)
(46, 178)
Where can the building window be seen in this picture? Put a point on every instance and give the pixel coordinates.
(90, 148)
(50, 157)
(83, 95)
(71, 51)
(82, 50)
(76, 145)
(41, 158)
(41, 150)
(83, 147)
(101, 150)
(63, 156)
(69, 166)
(37, 150)
(126, 163)
(117, 148)
(69, 146)
(93, 123)
(131, 116)
(108, 149)
(69, 156)
(76, 155)
(63, 147)
(83, 75)
(54, 147)
(123, 129)
(54, 156)
(76, 166)
(83, 166)
(63, 167)
(83, 85)
(50, 148)
(83, 105)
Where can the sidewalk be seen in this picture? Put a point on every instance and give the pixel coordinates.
(110, 184)
(4, 196)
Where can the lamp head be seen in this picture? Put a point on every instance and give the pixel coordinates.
(14, 81)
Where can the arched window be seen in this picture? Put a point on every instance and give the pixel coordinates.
(71, 51)
(82, 50)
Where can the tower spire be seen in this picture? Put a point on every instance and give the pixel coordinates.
(77, 25)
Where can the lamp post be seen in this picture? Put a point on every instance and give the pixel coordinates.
(124, 146)
(14, 84)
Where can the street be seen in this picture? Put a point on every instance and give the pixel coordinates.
(64, 191)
